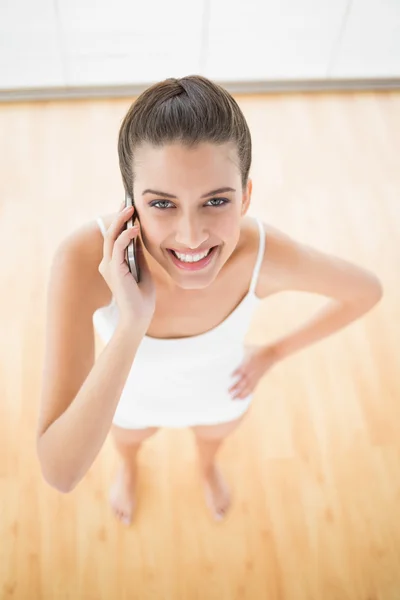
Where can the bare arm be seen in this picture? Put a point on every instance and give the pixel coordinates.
(79, 396)
(69, 446)
(352, 290)
(330, 318)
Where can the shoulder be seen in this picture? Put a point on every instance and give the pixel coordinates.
(83, 248)
(281, 254)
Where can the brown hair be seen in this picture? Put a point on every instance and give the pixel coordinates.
(191, 110)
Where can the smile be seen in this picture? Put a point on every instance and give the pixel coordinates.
(193, 262)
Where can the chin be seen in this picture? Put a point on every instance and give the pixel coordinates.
(193, 285)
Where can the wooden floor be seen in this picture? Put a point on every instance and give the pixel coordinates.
(315, 468)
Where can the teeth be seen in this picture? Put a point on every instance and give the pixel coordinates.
(191, 258)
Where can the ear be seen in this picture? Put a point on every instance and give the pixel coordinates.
(247, 197)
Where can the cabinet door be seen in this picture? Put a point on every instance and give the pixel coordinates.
(370, 42)
(125, 42)
(30, 55)
(266, 39)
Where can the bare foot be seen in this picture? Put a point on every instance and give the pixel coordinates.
(122, 494)
(217, 493)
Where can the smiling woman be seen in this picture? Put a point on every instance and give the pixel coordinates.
(185, 154)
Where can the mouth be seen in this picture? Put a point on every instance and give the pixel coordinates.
(194, 265)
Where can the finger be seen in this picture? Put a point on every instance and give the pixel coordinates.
(122, 242)
(234, 386)
(238, 387)
(238, 396)
(124, 203)
(114, 231)
(243, 394)
(237, 375)
(237, 371)
(241, 389)
(242, 376)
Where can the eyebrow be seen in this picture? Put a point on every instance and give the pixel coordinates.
(218, 191)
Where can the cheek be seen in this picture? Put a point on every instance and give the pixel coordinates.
(156, 229)
(154, 242)
(151, 233)
(226, 230)
(229, 232)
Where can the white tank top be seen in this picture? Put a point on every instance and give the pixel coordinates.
(181, 381)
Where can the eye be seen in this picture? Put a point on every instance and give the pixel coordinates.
(160, 202)
(222, 201)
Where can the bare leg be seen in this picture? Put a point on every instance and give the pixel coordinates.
(127, 443)
(209, 439)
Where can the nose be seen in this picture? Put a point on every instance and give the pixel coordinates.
(190, 233)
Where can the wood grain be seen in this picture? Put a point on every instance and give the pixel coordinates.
(314, 469)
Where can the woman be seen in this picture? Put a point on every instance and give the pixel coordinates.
(174, 354)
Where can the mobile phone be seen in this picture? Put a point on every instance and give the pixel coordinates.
(131, 253)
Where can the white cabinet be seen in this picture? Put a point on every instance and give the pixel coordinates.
(370, 43)
(123, 42)
(30, 54)
(259, 40)
(83, 43)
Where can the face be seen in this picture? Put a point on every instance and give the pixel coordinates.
(177, 212)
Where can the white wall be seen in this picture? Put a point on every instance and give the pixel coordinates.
(67, 43)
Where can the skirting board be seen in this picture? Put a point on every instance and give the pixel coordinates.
(234, 87)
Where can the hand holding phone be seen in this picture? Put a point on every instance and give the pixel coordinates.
(136, 302)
